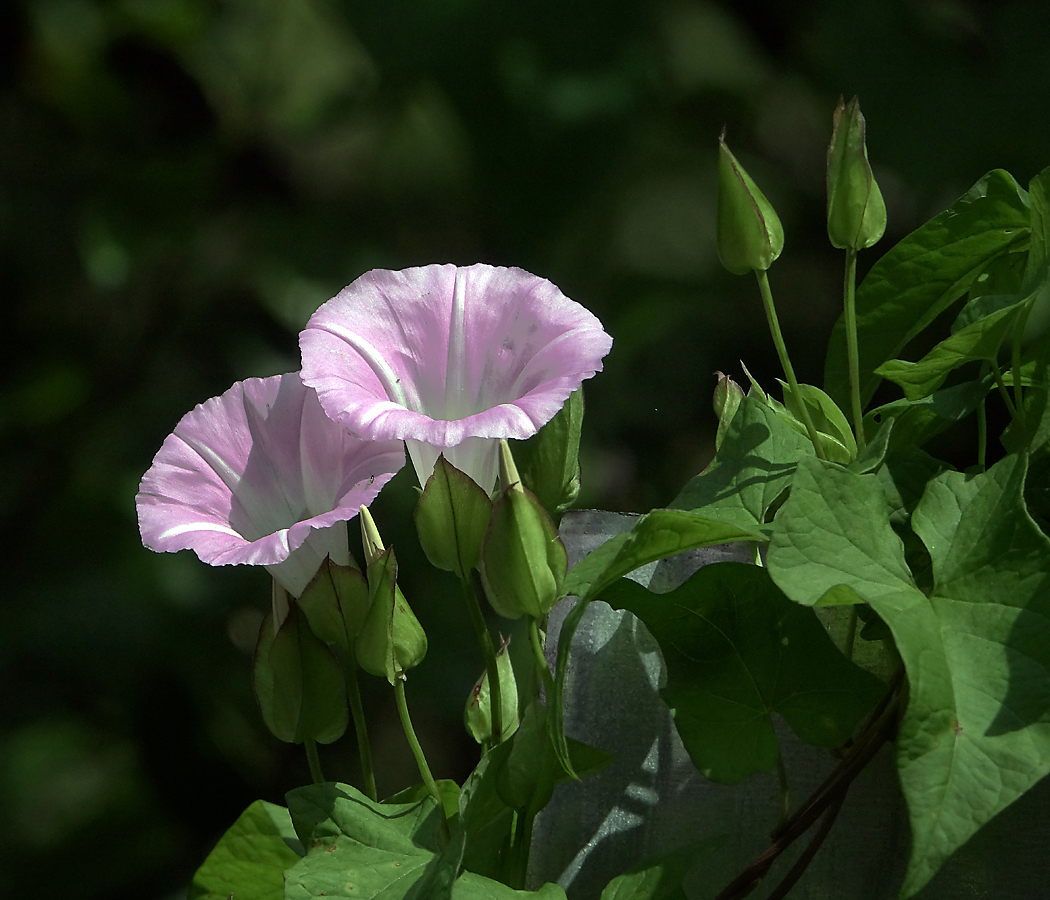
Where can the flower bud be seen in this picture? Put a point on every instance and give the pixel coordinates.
(335, 604)
(727, 397)
(478, 714)
(750, 235)
(451, 517)
(298, 682)
(391, 640)
(523, 560)
(856, 211)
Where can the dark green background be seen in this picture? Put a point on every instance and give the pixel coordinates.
(182, 182)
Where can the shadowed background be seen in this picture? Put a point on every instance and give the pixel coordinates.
(182, 182)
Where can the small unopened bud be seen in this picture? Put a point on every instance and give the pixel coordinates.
(371, 542)
(451, 517)
(727, 397)
(750, 235)
(856, 211)
(391, 640)
(523, 560)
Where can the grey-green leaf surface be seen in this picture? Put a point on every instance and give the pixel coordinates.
(751, 469)
(249, 861)
(737, 650)
(976, 733)
(924, 274)
(834, 529)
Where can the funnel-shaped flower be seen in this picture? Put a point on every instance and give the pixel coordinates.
(258, 476)
(450, 360)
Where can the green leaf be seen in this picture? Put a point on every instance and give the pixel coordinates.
(836, 435)
(298, 682)
(976, 733)
(250, 858)
(924, 274)
(874, 453)
(451, 516)
(549, 461)
(918, 421)
(358, 848)
(661, 879)
(752, 468)
(980, 340)
(834, 529)
(660, 533)
(737, 650)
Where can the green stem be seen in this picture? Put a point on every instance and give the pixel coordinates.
(1003, 392)
(417, 752)
(849, 300)
(851, 632)
(541, 659)
(488, 653)
(785, 361)
(314, 761)
(1015, 365)
(357, 713)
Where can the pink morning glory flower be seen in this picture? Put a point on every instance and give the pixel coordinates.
(450, 359)
(261, 476)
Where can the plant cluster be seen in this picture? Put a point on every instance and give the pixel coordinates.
(936, 579)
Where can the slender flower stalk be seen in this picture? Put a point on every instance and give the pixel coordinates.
(785, 361)
(314, 761)
(852, 351)
(418, 755)
(450, 359)
(364, 746)
(488, 653)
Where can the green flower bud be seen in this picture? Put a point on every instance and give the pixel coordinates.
(750, 235)
(451, 517)
(298, 682)
(335, 604)
(523, 560)
(727, 397)
(391, 640)
(856, 211)
(478, 714)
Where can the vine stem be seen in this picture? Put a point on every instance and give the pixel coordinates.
(785, 361)
(849, 287)
(357, 713)
(488, 653)
(314, 761)
(876, 730)
(417, 752)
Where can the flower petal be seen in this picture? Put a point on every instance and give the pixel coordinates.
(256, 475)
(441, 354)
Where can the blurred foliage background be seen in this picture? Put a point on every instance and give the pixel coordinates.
(182, 182)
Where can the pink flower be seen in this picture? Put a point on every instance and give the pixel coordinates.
(260, 476)
(450, 360)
